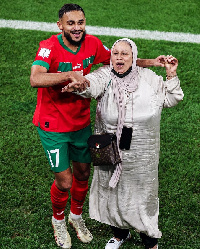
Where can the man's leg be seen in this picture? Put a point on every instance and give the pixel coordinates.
(56, 147)
(59, 193)
(81, 173)
(59, 197)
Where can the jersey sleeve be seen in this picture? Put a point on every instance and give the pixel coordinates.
(102, 53)
(99, 80)
(44, 55)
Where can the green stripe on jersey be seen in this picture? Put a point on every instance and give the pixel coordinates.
(88, 61)
(65, 67)
(41, 63)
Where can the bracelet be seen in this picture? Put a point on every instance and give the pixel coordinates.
(171, 76)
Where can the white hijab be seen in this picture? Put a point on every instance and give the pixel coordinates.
(129, 84)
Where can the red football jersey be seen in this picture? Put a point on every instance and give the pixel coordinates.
(65, 112)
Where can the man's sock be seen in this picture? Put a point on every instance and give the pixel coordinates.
(75, 216)
(59, 201)
(78, 193)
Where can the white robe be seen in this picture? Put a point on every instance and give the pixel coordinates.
(134, 202)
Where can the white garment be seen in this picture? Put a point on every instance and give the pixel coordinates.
(134, 202)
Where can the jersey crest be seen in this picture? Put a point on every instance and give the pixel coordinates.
(44, 52)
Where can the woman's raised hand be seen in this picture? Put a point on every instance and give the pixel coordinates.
(171, 64)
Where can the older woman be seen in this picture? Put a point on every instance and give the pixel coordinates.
(130, 101)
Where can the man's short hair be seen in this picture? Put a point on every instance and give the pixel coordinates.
(68, 8)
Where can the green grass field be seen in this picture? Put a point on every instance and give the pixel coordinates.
(25, 177)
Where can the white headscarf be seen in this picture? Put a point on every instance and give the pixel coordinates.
(129, 84)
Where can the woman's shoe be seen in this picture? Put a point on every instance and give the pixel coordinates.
(115, 244)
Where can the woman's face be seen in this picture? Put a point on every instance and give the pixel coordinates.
(122, 57)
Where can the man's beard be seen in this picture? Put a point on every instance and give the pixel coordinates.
(72, 42)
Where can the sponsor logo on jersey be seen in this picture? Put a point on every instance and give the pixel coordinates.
(44, 52)
(77, 66)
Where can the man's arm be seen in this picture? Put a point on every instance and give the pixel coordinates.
(157, 62)
(41, 78)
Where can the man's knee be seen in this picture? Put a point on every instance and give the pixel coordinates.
(64, 180)
(64, 185)
(81, 171)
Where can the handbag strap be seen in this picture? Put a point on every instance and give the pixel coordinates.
(98, 127)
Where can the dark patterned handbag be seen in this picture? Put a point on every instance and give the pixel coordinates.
(103, 149)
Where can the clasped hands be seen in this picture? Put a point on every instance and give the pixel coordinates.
(78, 83)
(169, 62)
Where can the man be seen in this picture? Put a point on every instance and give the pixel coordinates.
(63, 119)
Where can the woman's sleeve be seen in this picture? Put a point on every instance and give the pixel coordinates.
(169, 91)
(99, 80)
(173, 92)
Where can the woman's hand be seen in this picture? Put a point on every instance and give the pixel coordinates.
(171, 64)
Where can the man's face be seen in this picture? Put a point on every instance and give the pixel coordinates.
(72, 25)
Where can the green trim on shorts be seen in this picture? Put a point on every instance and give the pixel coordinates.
(63, 147)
